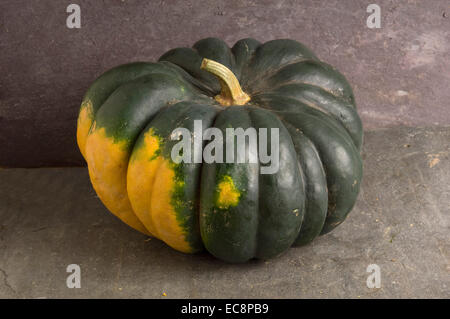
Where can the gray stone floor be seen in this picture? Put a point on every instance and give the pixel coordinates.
(50, 218)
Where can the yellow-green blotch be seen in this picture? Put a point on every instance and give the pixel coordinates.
(228, 193)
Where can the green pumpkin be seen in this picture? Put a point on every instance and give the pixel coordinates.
(125, 127)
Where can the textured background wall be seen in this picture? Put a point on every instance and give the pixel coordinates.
(400, 72)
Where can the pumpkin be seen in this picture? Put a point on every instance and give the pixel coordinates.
(125, 127)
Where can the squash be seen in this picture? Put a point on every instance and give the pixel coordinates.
(125, 127)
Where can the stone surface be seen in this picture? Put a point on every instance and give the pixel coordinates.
(51, 217)
(399, 72)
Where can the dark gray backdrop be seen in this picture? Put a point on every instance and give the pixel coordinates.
(400, 72)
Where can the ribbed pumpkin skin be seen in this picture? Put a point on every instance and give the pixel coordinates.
(236, 213)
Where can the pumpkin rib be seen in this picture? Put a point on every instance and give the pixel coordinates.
(258, 194)
(150, 142)
(190, 79)
(243, 51)
(275, 53)
(305, 86)
(310, 72)
(336, 108)
(228, 227)
(285, 207)
(315, 186)
(256, 252)
(217, 50)
(344, 112)
(271, 73)
(207, 114)
(189, 60)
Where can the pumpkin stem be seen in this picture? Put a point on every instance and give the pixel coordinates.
(231, 92)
